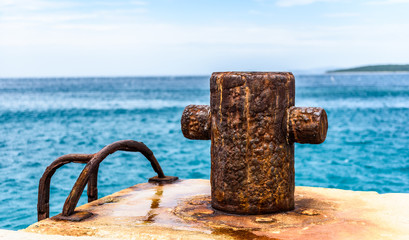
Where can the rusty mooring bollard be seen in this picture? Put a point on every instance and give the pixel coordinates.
(253, 124)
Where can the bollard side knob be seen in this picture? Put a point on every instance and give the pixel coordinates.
(307, 125)
(195, 122)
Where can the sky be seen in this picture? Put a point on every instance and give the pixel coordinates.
(51, 38)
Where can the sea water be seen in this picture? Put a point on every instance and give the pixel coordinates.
(43, 118)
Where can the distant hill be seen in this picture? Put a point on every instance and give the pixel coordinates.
(375, 68)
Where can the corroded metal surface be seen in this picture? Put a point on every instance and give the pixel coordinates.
(253, 127)
(89, 175)
(198, 209)
(183, 211)
(252, 169)
(196, 122)
(307, 125)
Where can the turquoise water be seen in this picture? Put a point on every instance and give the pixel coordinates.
(42, 119)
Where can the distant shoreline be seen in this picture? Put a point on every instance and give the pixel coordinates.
(374, 68)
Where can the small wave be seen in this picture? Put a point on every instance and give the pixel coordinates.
(357, 103)
(363, 142)
(87, 104)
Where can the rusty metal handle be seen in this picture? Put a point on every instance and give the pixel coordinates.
(43, 206)
(92, 165)
(90, 175)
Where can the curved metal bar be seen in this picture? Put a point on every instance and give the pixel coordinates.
(92, 186)
(43, 205)
(93, 164)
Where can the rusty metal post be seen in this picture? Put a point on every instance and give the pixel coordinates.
(253, 124)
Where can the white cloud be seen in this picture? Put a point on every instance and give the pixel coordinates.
(32, 5)
(124, 39)
(342, 14)
(29, 9)
(43, 15)
(221, 46)
(138, 3)
(387, 2)
(291, 3)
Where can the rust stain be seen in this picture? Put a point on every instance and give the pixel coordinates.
(248, 139)
(150, 216)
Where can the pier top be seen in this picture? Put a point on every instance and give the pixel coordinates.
(182, 210)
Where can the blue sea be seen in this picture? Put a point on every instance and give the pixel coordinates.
(43, 118)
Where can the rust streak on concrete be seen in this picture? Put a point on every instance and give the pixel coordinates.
(183, 211)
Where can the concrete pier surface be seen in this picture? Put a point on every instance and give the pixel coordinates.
(182, 210)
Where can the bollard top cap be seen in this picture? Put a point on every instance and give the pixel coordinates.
(252, 73)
